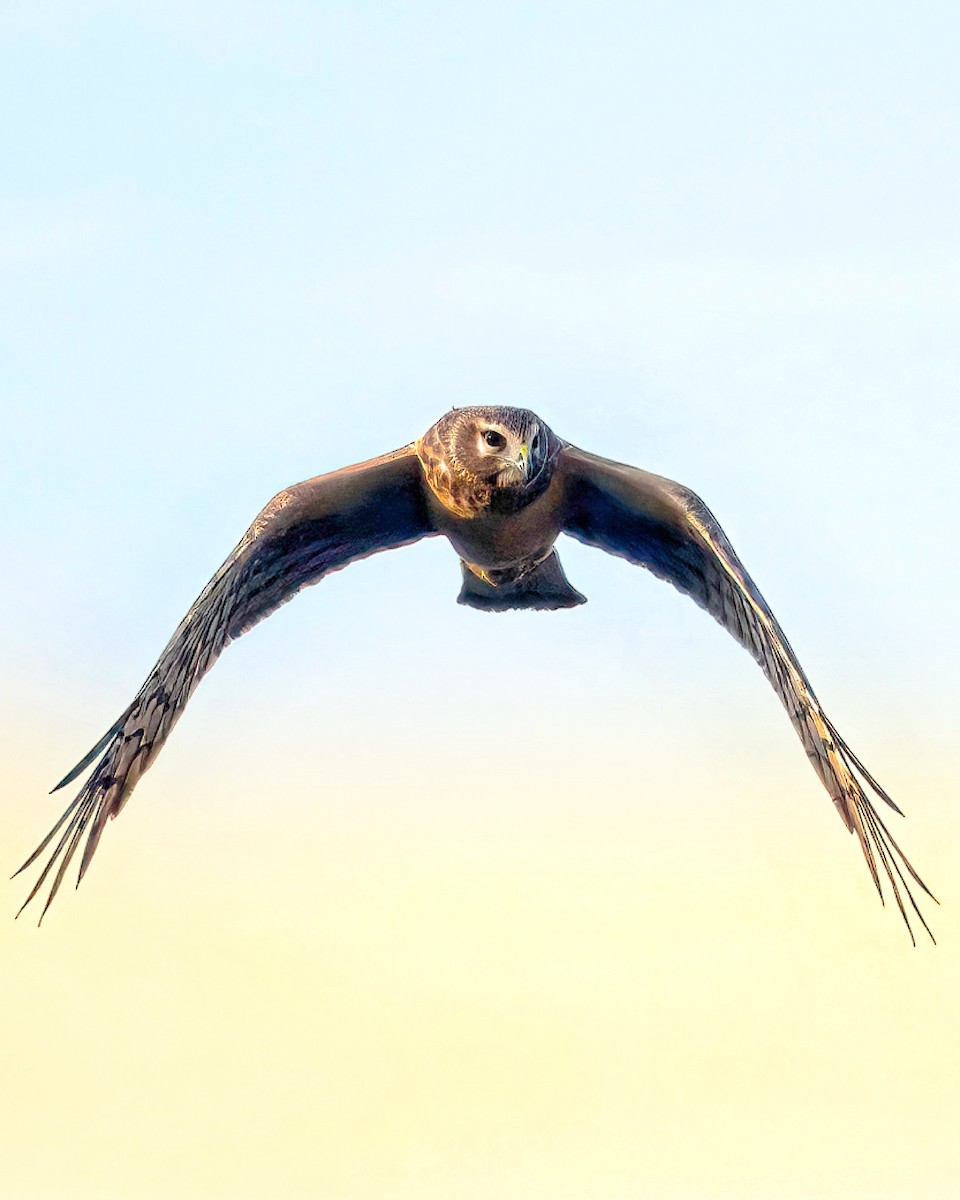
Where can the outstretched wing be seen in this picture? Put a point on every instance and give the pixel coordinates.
(664, 527)
(304, 533)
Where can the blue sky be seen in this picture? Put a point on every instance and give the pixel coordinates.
(246, 244)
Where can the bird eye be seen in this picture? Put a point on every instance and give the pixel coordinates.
(496, 441)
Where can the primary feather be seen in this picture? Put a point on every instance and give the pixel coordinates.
(666, 528)
(303, 533)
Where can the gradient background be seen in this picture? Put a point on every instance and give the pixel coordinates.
(561, 911)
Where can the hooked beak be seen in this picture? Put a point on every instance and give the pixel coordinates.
(515, 470)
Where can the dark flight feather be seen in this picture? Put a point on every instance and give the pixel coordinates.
(655, 523)
(303, 534)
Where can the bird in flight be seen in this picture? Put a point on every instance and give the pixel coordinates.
(501, 487)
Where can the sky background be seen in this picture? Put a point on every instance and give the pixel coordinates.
(594, 929)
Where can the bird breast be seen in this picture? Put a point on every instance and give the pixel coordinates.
(497, 541)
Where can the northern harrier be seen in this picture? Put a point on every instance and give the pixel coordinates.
(500, 486)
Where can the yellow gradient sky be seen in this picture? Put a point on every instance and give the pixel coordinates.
(419, 902)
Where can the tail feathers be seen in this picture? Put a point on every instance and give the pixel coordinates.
(543, 587)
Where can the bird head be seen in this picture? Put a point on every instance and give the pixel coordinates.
(499, 447)
(488, 458)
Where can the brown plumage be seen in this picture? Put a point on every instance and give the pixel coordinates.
(501, 487)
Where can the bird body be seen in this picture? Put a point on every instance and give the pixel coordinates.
(495, 541)
(501, 487)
